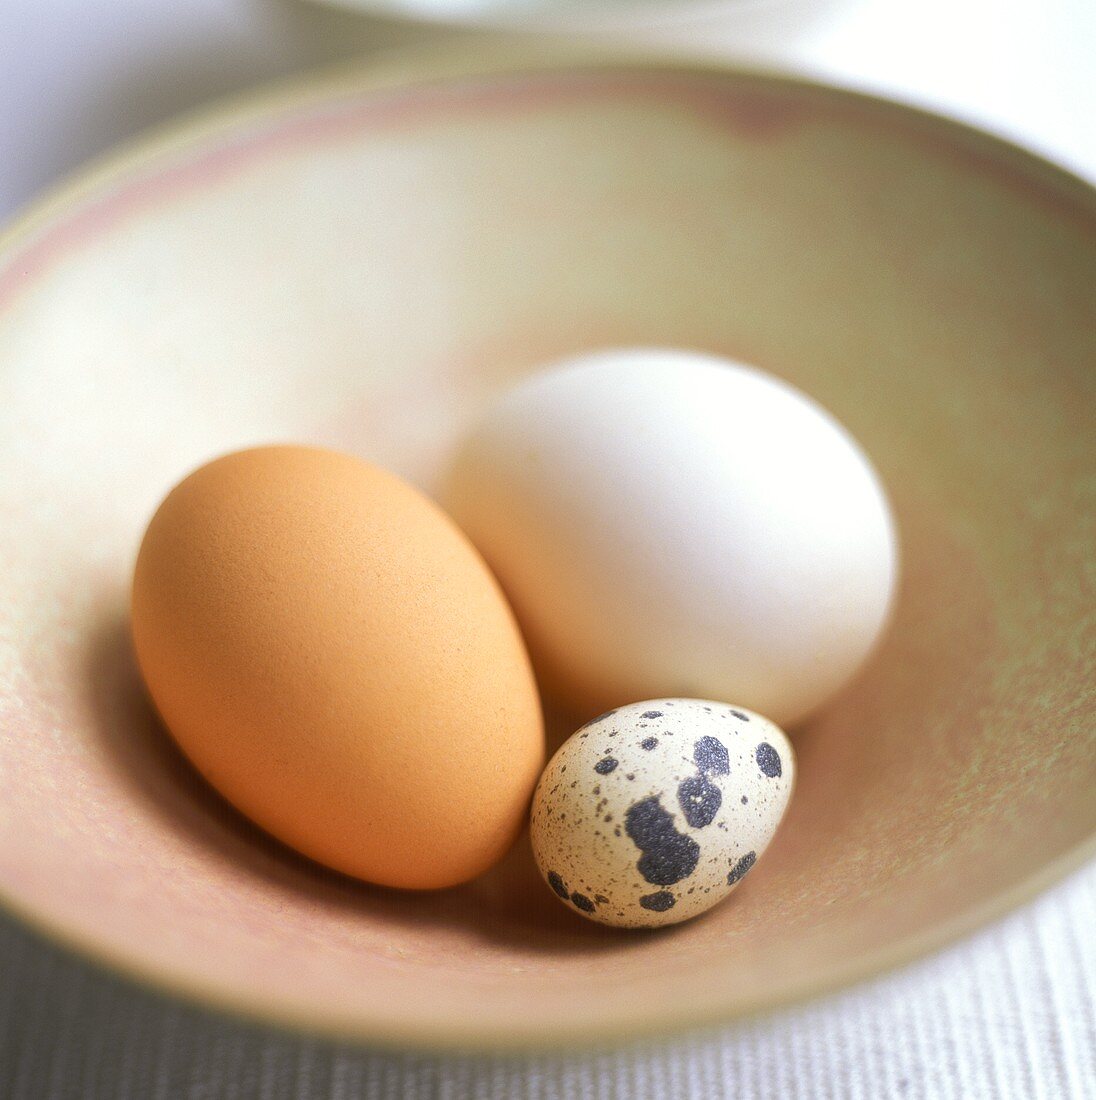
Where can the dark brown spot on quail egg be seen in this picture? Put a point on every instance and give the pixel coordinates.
(581, 901)
(659, 902)
(768, 760)
(738, 871)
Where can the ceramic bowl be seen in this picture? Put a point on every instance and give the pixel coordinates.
(361, 261)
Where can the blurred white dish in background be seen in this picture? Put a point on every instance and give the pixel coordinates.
(617, 16)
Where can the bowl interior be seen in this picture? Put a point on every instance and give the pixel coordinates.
(361, 263)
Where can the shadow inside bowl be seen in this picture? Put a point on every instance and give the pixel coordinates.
(509, 906)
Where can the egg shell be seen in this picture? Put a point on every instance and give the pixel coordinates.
(668, 523)
(333, 655)
(656, 811)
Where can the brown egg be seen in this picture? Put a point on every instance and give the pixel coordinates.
(337, 660)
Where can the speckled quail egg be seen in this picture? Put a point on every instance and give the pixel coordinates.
(654, 812)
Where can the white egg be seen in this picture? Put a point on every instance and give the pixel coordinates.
(656, 811)
(669, 523)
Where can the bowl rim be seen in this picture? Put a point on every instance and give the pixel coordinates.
(438, 62)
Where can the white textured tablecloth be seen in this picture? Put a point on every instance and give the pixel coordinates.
(1011, 1012)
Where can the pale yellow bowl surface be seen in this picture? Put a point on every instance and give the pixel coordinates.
(360, 262)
